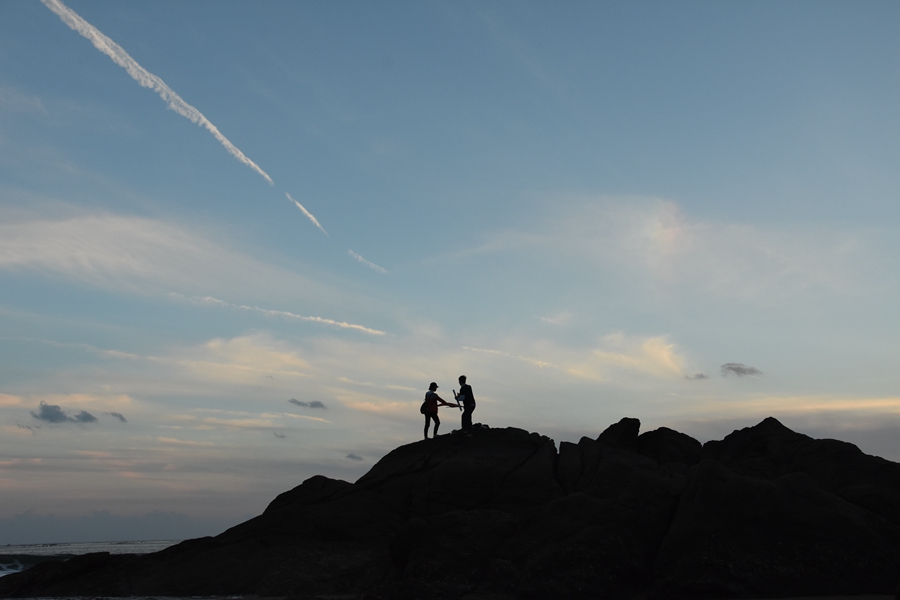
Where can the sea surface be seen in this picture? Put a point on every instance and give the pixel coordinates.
(14, 558)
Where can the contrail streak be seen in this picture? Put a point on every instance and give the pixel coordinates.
(533, 361)
(368, 263)
(288, 315)
(145, 78)
(307, 213)
(210, 301)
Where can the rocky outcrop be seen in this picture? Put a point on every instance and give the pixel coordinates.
(766, 512)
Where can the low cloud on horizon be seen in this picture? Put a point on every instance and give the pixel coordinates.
(313, 404)
(740, 370)
(52, 413)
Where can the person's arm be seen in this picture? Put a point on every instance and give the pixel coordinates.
(441, 401)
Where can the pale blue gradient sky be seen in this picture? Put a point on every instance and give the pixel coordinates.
(581, 207)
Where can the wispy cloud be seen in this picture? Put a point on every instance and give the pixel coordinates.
(205, 419)
(697, 377)
(307, 418)
(254, 361)
(369, 264)
(140, 255)
(560, 319)
(100, 248)
(10, 400)
(12, 100)
(521, 51)
(740, 370)
(653, 239)
(878, 408)
(202, 300)
(617, 358)
(209, 300)
(145, 78)
(352, 456)
(168, 440)
(118, 415)
(402, 388)
(532, 361)
(313, 404)
(308, 214)
(655, 356)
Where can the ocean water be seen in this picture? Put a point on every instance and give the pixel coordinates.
(14, 558)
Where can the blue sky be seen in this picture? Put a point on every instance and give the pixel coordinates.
(590, 209)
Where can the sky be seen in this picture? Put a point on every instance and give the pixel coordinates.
(238, 240)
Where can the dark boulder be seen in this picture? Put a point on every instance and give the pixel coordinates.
(623, 434)
(496, 468)
(769, 450)
(735, 536)
(666, 445)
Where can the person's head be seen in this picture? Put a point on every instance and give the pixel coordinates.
(433, 386)
(462, 379)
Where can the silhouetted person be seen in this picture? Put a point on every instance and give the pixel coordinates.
(432, 401)
(467, 398)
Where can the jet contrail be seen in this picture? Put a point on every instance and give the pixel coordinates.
(210, 301)
(147, 79)
(368, 263)
(307, 213)
(289, 315)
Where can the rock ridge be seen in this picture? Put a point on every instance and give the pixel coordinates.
(764, 512)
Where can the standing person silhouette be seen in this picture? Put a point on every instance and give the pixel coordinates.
(432, 401)
(467, 398)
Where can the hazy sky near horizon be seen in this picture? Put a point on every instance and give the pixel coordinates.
(238, 240)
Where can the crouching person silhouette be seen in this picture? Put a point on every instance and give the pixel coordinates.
(430, 408)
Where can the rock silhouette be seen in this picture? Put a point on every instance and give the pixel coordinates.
(765, 512)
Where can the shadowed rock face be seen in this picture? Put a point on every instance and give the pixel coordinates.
(764, 512)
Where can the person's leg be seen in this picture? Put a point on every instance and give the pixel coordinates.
(437, 423)
(427, 422)
(467, 418)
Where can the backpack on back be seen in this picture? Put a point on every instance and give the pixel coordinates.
(424, 408)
